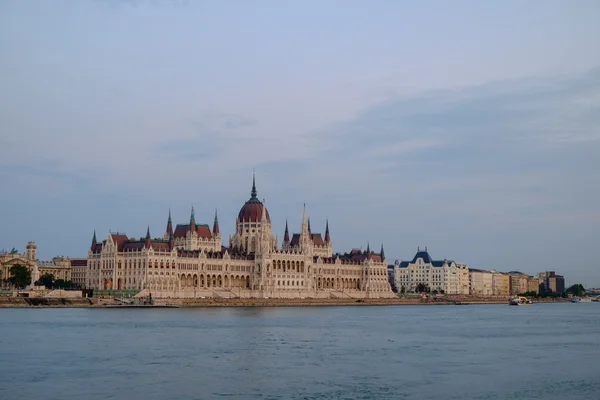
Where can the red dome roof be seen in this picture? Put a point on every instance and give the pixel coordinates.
(252, 211)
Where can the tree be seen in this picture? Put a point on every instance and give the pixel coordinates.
(46, 280)
(422, 288)
(20, 276)
(576, 290)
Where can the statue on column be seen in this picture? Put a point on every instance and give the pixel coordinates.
(35, 275)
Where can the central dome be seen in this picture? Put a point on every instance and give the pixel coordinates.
(253, 210)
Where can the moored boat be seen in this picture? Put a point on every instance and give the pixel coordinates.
(519, 301)
(577, 299)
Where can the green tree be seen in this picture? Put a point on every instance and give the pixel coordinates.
(20, 276)
(47, 280)
(422, 288)
(576, 290)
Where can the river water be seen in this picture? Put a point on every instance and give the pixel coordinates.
(545, 351)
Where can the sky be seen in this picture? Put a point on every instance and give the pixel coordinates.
(469, 127)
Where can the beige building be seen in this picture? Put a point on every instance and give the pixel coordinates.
(190, 261)
(59, 267)
(12, 258)
(500, 284)
(533, 284)
(482, 282)
(519, 282)
(424, 274)
(78, 271)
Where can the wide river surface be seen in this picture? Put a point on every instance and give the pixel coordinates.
(543, 351)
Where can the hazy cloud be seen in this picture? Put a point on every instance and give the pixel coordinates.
(113, 111)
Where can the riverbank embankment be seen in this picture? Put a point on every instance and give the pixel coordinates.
(23, 302)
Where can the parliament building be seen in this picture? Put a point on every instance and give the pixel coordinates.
(190, 261)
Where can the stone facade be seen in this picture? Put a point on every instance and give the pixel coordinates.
(422, 272)
(190, 261)
(78, 271)
(533, 285)
(552, 282)
(9, 259)
(500, 284)
(60, 267)
(482, 282)
(518, 282)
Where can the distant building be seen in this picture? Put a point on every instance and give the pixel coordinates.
(482, 282)
(550, 282)
(533, 285)
(423, 273)
(500, 284)
(78, 271)
(519, 282)
(191, 261)
(59, 267)
(12, 258)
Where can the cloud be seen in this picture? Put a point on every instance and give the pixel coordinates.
(473, 173)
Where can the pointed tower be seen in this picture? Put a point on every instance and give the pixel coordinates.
(253, 192)
(192, 226)
(305, 237)
(94, 242)
(304, 220)
(169, 231)
(286, 235)
(263, 242)
(382, 254)
(368, 248)
(216, 231)
(327, 238)
(148, 239)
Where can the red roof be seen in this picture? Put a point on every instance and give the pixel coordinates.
(295, 240)
(79, 263)
(119, 240)
(317, 239)
(202, 231)
(252, 211)
(164, 246)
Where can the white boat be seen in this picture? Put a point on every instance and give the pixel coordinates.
(577, 299)
(520, 301)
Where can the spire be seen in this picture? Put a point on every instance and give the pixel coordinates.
(368, 248)
(304, 218)
(148, 233)
(327, 238)
(192, 221)
(286, 236)
(169, 231)
(94, 242)
(253, 192)
(382, 254)
(216, 224)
